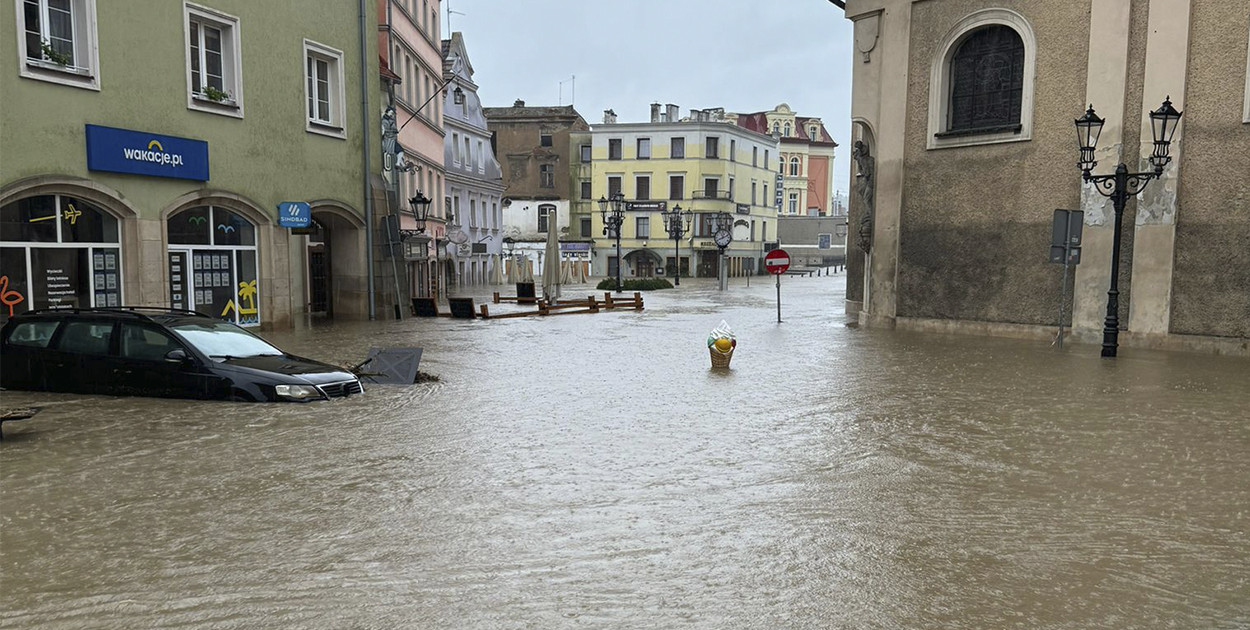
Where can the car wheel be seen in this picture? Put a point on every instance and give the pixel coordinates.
(239, 395)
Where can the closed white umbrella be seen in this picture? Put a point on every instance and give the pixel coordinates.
(551, 265)
(496, 273)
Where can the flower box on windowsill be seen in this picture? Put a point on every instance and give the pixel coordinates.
(325, 127)
(225, 103)
(44, 64)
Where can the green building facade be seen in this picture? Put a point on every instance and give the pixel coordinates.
(145, 149)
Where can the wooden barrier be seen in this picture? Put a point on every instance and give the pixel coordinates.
(635, 302)
(424, 307)
(461, 307)
(568, 307)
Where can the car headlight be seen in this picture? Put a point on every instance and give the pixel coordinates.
(297, 392)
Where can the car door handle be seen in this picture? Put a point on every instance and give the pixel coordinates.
(121, 371)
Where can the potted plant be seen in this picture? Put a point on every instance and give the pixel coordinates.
(215, 95)
(53, 55)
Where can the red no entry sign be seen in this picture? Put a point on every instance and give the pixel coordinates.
(777, 262)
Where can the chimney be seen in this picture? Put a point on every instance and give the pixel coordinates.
(655, 112)
(671, 112)
(609, 117)
(696, 115)
(519, 103)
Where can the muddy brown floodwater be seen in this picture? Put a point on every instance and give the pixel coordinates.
(590, 471)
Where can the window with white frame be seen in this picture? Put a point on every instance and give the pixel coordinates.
(323, 74)
(57, 41)
(546, 176)
(794, 203)
(794, 166)
(214, 80)
(546, 212)
(981, 81)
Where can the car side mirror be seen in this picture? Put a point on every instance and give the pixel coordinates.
(177, 355)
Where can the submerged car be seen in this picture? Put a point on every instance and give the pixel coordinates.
(170, 353)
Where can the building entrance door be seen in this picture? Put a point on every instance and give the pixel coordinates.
(318, 281)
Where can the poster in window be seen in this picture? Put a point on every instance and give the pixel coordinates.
(248, 293)
(114, 299)
(60, 277)
(199, 262)
(218, 299)
(14, 296)
(97, 262)
(110, 261)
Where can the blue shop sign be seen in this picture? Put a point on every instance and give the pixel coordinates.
(142, 153)
(294, 214)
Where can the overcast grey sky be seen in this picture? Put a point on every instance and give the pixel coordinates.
(743, 55)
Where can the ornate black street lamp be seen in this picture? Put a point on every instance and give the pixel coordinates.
(612, 211)
(420, 209)
(677, 222)
(1120, 186)
(420, 205)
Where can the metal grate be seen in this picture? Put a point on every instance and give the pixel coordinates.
(345, 388)
(987, 80)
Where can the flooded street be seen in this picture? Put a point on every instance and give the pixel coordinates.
(590, 471)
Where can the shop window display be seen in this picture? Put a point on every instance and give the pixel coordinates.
(212, 264)
(58, 251)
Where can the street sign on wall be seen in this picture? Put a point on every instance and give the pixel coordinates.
(294, 214)
(143, 153)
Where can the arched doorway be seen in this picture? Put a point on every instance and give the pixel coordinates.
(212, 264)
(644, 263)
(336, 276)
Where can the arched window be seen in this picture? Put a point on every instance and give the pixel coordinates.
(58, 251)
(787, 133)
(212, 264)
(987, 80)
(981, 83)
(776, 127)
(794, 166)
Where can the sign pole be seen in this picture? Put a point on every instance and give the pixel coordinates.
(777, 262)
(778, 298)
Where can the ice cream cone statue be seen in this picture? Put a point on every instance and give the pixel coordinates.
(721, 344)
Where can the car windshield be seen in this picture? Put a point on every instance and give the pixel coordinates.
(223, 340)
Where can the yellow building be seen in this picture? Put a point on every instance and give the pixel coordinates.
(702, 163)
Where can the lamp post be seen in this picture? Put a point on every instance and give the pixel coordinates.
(612, 211)
(677, 222)
(420, 205)
(1120, 186)
(510, 243)
(722, 235)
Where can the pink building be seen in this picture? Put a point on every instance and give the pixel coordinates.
(411, 51)
(805, 175)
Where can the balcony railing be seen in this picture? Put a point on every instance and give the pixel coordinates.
(722, 195)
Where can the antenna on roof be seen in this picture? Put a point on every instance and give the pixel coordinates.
(572, 89)
(449, 14)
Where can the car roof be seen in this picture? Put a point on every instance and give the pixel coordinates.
(154, 314)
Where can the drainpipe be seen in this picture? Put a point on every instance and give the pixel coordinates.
(365, 130)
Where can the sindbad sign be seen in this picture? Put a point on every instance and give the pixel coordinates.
(141, 153)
